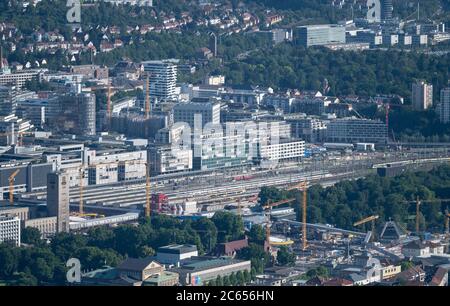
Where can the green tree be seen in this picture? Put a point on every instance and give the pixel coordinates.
(229, 225)
(30, 235)
(226, 281)
(285, 257)
(257, 234)
(219, 281)
(8, 260)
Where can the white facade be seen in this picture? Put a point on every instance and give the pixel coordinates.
(422, 96)
(283, 151)
(166, 160)
(10, 229)
(185, 112)
(111, 168)
(20, 78)
(162, 79)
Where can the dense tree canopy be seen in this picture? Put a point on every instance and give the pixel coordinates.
(45, 264)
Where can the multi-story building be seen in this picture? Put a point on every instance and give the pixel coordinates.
(245, 96)
(283, 102)
(199, 272)
(422, 95)
(31, 176)
(10, 229)
(12, 128)
(76, 114)
(185, 112)
(307, 128)
(47, 226)
(386, 9)
(58, 199)
(220, 151)
(111, 167)
(354, 130)
(162, 79)
(165, 159)
(22, 212)
(444, 107)
(8, 101)
(19, 78)
(319, 35)
(285, 149)
(310, 105)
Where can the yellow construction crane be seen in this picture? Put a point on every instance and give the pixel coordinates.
(368, 219)
(418, 203)
(269, 207)
(303, 186)
(11, 180)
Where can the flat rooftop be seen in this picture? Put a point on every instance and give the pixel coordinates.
(177, 248)
(200, 265)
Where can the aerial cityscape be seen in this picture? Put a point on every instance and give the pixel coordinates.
(221, 143)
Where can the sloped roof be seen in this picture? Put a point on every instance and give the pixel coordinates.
(135, 264)
(391, 231)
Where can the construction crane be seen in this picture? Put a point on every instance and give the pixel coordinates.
(418, 203)
(11, 180)
(368, 219)
(303, 186)
(269, 207)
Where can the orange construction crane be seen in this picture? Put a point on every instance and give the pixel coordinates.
(11, 180)
(368, 219)
(303, 186)
(418, 203)
(269, 207)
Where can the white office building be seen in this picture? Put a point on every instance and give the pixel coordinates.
(19, 78)
(284, 150)
(185, 112)
(422, 96)
(162, 79)
(10, 229)
(165, 159)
